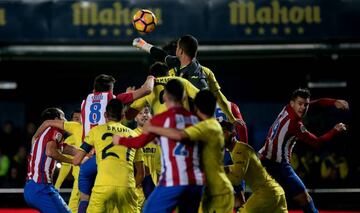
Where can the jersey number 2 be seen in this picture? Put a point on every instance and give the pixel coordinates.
(105, 154)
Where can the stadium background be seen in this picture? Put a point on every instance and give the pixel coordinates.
(52, 50)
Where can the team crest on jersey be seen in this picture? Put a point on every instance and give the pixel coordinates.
(303, 128)
(58, 137)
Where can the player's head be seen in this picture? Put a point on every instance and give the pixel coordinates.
(52, 113)
(104, 83)
(143, 116)
(205, 102)
(228, 130)
(76, 115)
(300, 100)
(159, 69)
(174, 91)
(114, 110)
(187, 45)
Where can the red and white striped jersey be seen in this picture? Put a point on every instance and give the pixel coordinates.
(40, 166)
(93, 110)
(283, 134)
(180, 162)
(94, 106)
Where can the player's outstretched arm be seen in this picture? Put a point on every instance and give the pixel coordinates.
(171, 133)
(315, 141)
(142, 44)
(136, 142)
(157, 53)
(79, 156)
(338, 103)
(69, 149)
(145, 89)
(225, 105)
(53, 152)
(341, 104)
(48, 123)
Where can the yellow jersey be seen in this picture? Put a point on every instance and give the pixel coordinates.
(209, 133)
(155, 98)
(74, 139)
(75, 129)
(247, 166)
(172, 72)
(152, 158)
(211, 80)
(115, 163)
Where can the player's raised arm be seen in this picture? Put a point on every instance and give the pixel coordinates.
(145, 89)
(136, 142)
(338, 103)
(48, 123)
(156, 53)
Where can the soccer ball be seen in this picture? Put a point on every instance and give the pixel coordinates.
(144, 21)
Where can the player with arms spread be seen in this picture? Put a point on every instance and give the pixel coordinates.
(286, 130)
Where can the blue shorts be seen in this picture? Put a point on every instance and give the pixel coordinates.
(285, 175)
(166, 199)
(44, 197)
(147, 185)
(87, 175)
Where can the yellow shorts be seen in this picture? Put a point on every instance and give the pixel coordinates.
(265, 202)
(106, 198)
(219, 203)
(140, 198)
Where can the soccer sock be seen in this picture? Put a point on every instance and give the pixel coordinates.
(310, 207)
(83, 206)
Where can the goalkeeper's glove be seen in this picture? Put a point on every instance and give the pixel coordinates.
(142, 44)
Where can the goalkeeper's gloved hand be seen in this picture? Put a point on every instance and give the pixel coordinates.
(142, 44)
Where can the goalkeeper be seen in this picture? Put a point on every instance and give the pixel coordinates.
(185, 65)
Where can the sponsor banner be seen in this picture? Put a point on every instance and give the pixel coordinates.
(233, 21)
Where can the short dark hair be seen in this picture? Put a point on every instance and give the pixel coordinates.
(175, 89)
(51, 113)
(189, 44)
(159, 69)
(114, 109)
(75, 111)
(301, 92)
(205, 101)
(103, 83)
